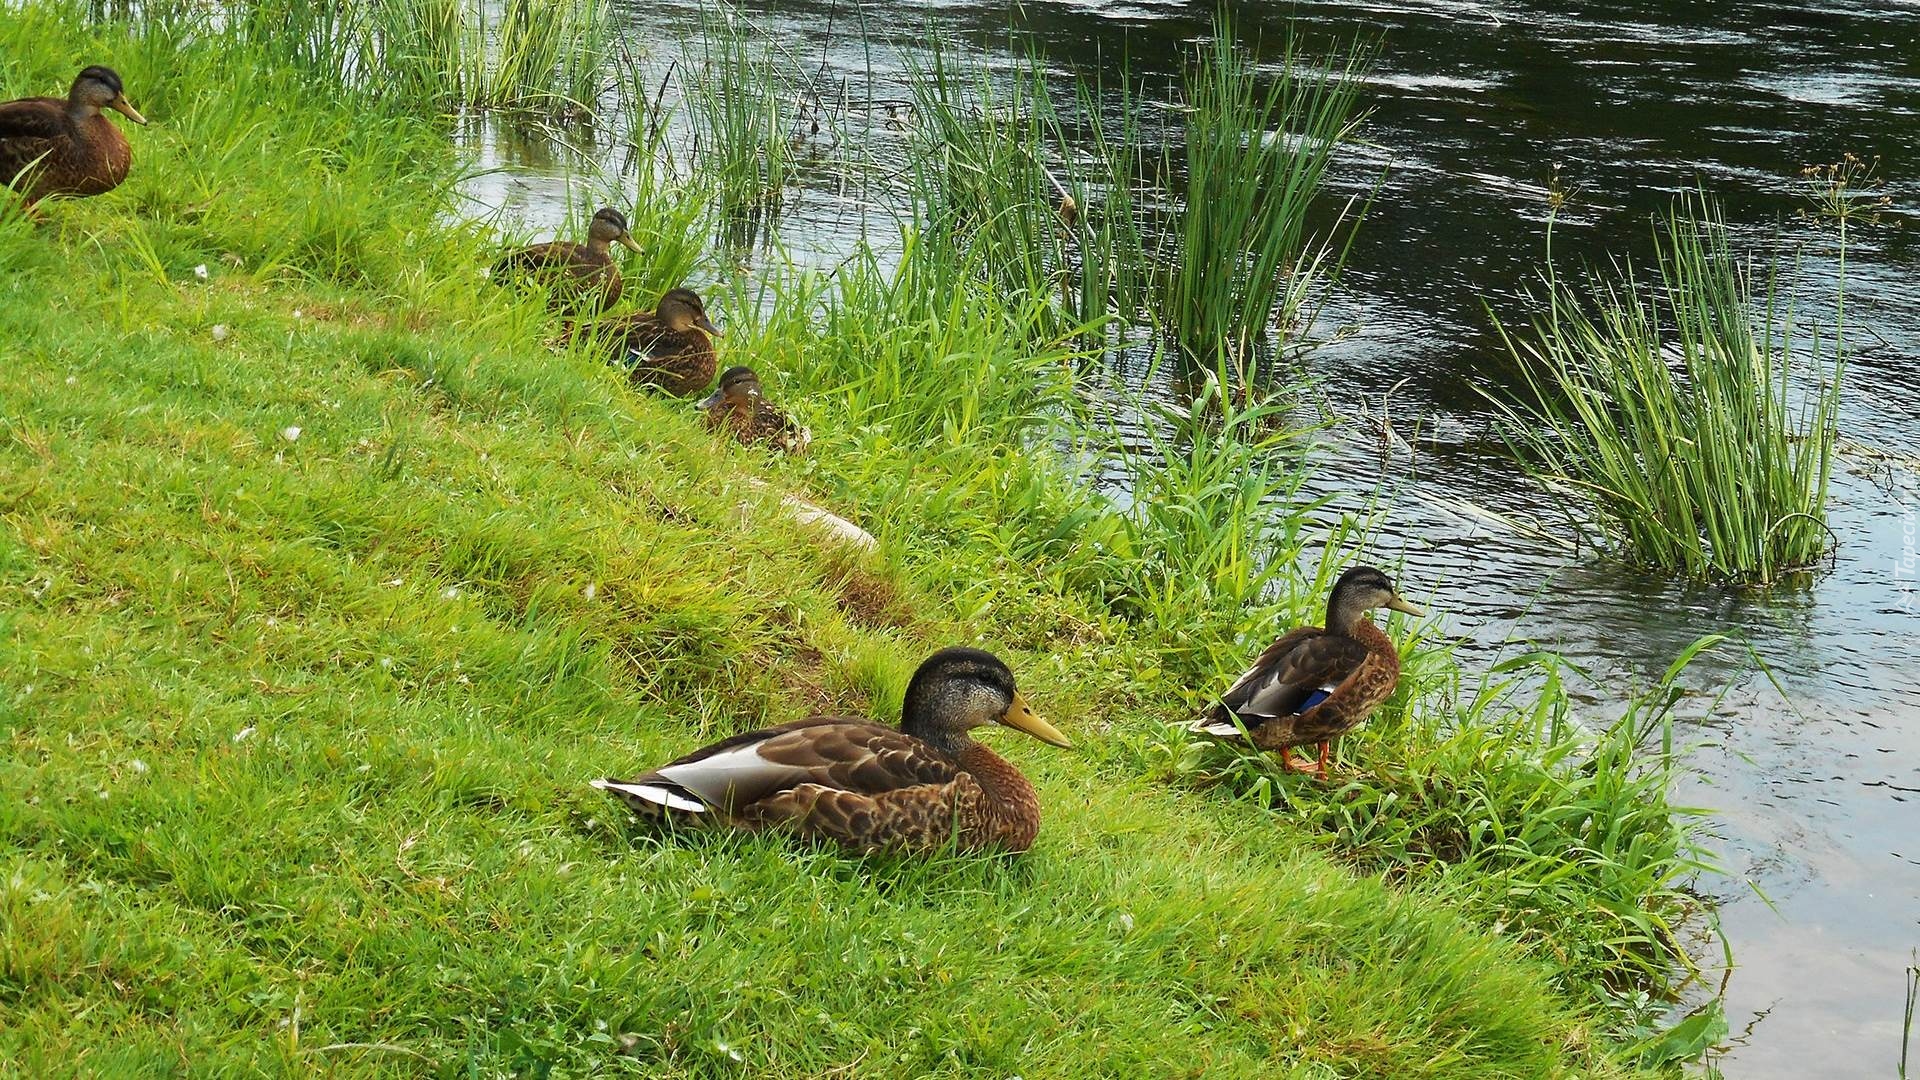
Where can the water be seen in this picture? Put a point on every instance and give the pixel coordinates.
(1816, 781)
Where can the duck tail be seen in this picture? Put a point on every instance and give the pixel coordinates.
(1216, 721)
(655, 796)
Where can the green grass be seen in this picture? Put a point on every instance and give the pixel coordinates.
(297, 722)
(1692, 422)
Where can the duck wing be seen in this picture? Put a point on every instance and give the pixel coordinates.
(29, 128)
(745, 776)
(1304, 663)
(551, 256)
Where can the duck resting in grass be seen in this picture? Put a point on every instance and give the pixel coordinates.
(1316, 683)
(669, 348)
(51, 146)
(865, 786)
(579, 277)
(741, 408)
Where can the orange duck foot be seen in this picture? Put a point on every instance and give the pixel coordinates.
(1313, 768)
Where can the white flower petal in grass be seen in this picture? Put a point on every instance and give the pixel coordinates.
(291, 433)
(137, 765)
(220, 332)
(200, 271)
(452, 592)
(590, 591)
(243, 734)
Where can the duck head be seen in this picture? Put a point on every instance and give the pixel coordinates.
(97, 88)
(738, 385)
(681, 310)
(956, 690)
(1360, 590)
(609, 226)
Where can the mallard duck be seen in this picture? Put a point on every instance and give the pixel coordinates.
(1314, 683)
(866, 786)
(580, 277)
(67, 147)
(668, 347)
(739, 406)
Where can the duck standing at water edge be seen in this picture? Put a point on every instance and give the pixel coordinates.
(740, 407)
(579, 276)
(67, 147)
(866, 786)
(1316, 683)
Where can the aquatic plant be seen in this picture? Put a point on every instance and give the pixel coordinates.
(1906, 1020)
(1694, 421)
(549, 56)
(744, 109)
(978, 180)
(1252, 163)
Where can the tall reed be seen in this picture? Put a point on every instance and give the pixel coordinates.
(979, 178)
(1694, 420)
(427, 51)
(1256, 155)
(743, 105)
(550, 56)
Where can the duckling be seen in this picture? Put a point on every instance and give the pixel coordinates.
(865, 786)
(1314, 684)
(579, 276)
(667, 347)
(739, 406)
(67, 147)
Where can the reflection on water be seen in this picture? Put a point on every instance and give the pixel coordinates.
(1476, 104)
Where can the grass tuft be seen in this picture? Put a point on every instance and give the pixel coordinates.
(1693, 422)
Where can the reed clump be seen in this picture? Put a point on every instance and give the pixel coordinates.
(744, 109)
(1255, 157)
(1690, 419)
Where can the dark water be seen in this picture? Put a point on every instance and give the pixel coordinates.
(1817, 789)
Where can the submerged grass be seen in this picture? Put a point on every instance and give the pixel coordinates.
(1695, 421)
(325, 583)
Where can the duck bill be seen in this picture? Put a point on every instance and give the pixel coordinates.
(627, 241)
(1404, 608)
(1021, 717)
(709, 401)
(121, 106)
(706, 324)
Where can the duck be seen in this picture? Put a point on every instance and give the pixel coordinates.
(739, 406)
(1316, 683)
(67, 147)
(669, 348)
(580, 276)
(922, 787)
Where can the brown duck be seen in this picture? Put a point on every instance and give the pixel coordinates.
(740, 407)
(67, 147)
(579, 277)
(670, 347)
(866, 786)
(1314, 684)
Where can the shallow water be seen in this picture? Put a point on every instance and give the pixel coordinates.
(1817, 789)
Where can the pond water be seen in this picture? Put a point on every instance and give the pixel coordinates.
(1814, 770)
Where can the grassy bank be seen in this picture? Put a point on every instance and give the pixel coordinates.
(325, 583)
